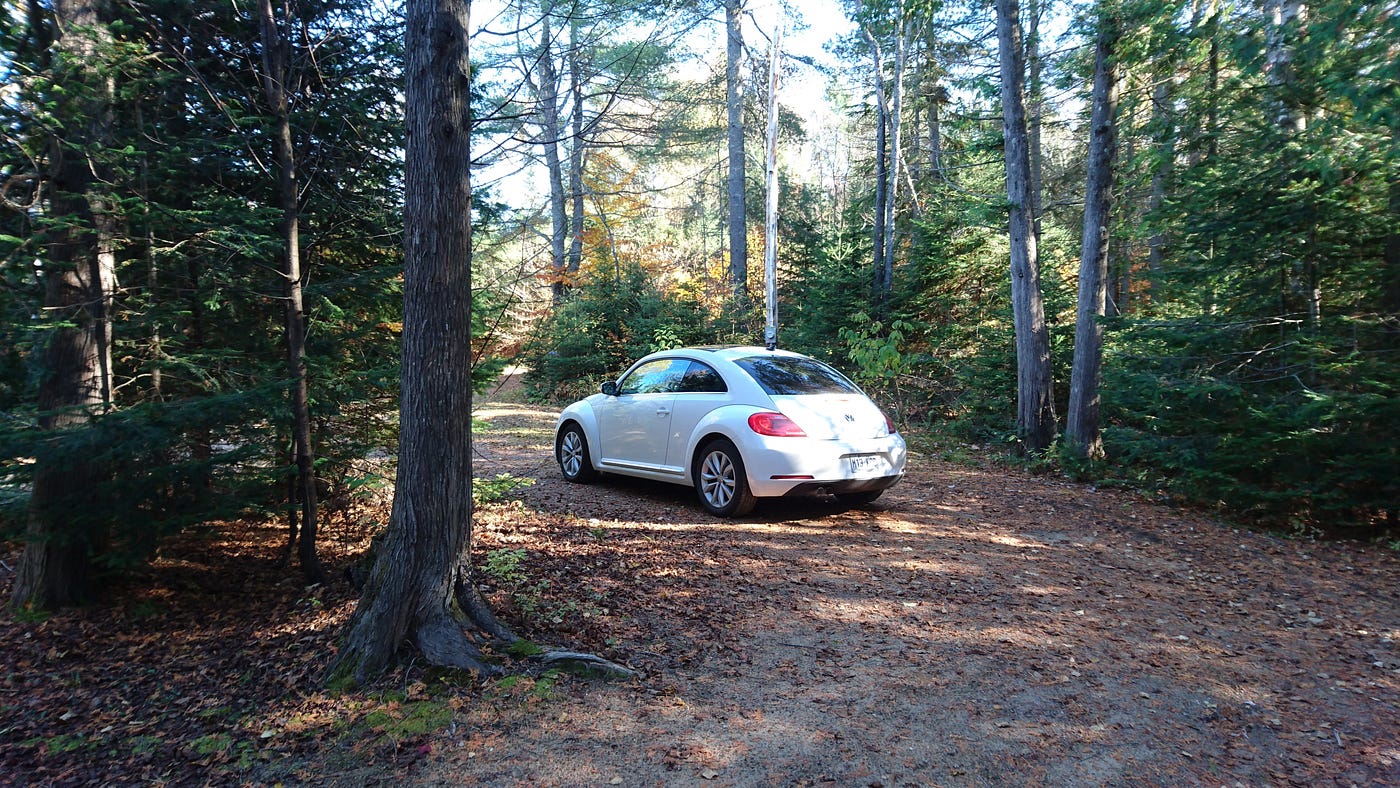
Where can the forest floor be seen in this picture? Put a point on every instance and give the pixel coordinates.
(975, 626)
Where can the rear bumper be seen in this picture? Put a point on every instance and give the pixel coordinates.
(844, 486)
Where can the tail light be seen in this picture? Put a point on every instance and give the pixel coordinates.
(776, 425)
(889, 425)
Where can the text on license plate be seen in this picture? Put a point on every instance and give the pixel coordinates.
(863, 465)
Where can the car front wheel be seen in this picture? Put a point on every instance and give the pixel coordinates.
(721, 481)
(571, 450)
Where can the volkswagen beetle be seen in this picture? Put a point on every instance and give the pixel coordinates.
(737, 424)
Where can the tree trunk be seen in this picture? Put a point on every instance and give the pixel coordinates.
(770, 224)
(422, 563)
(57, 567)
(1036, 89)
(1285, 17)
(547, 94)
(1161, 176)
(419, 591)
(276, 75)
(1213, 83)
(936, 96)
(1083, 436)
(576, 153)
(882, 179)
(1035, 402)
(1390, 302)
(734, 101)
(892, 190)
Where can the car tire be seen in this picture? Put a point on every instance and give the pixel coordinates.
(856, 500)
(571, 452)
(721, 482)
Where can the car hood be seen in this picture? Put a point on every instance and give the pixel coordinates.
(834, 416)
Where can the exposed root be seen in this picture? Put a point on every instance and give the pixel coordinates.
(444, 642)
(585, 664)
(479, 614)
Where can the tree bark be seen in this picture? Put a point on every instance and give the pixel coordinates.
(551, 129)
(1083, 436)
(56, 567)
(1285, 18)
(1035, 408)
(422, 564)
(1284, 15)
(882, 179)
(277, 73)
(936, 96)
(1036, 89)
(576, 150)
(734, 102)
(892, 190)
(1391, 298)
(1161, 176)
(770, 224)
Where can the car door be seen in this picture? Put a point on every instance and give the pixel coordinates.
(699, 391)
(634, 424)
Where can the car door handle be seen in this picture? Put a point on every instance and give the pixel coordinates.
(662, 412)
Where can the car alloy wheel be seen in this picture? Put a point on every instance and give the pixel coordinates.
(572, 454)
(721, 481)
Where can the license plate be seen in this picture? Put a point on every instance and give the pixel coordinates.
(865, 465)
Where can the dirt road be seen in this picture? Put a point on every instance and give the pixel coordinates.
(973, 627)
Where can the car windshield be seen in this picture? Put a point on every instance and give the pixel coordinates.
(779, 375)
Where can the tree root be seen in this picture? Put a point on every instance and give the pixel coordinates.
(460, 633)
(583, 664)
(479, 614)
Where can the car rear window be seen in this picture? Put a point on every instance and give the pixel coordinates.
(778, 375)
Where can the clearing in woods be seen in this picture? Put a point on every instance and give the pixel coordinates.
(973, 627)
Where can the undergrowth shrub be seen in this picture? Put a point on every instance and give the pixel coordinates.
(605, 324)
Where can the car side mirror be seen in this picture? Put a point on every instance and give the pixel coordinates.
(610, 388)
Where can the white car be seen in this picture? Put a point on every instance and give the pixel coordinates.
(737, 424)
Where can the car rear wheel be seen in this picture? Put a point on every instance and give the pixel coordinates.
(721, 481)
(857, 499)
(571, 450)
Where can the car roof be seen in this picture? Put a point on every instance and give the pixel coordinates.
(731, 352)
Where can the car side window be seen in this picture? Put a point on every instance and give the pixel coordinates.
(701, 378)
(654, 377)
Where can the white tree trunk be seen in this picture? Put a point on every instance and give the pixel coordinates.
(770, 246)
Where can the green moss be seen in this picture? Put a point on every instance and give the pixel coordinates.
(144, 745)
(212, 744)
(342, 676)
(29, 614)
(412, 719)
(65, 743)
(523, 649)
